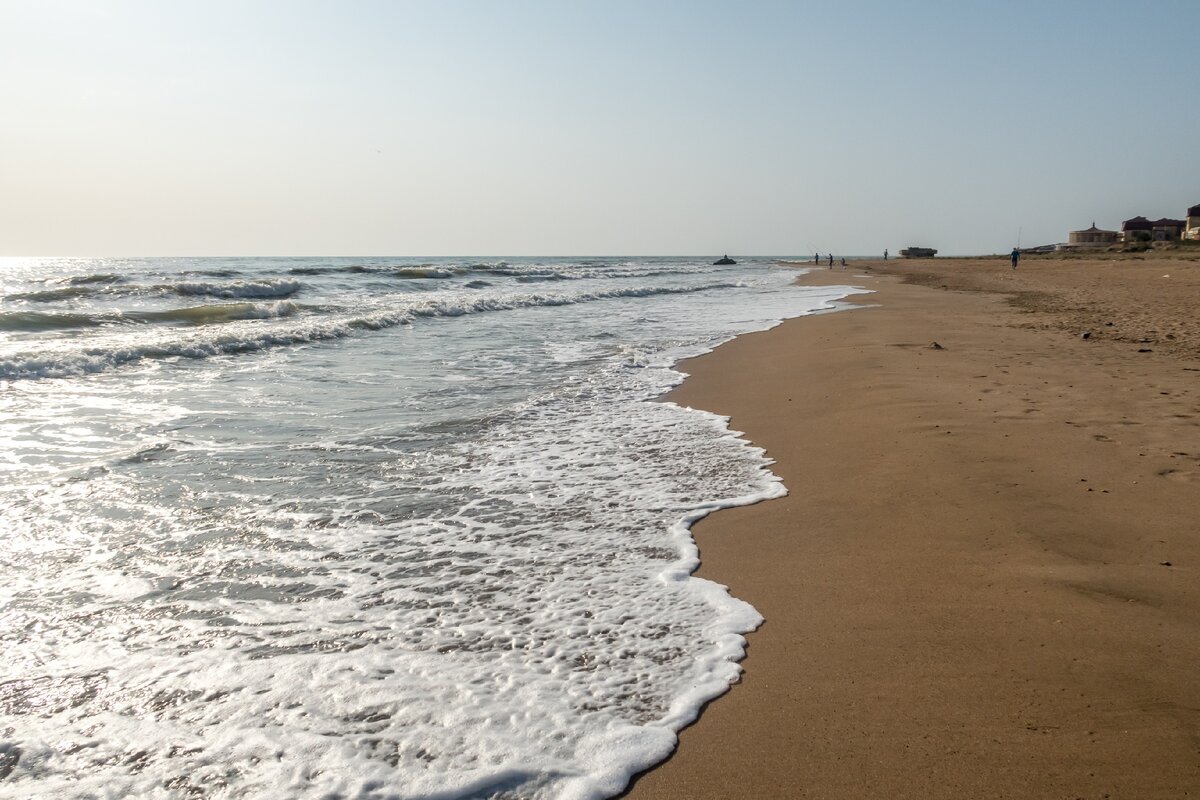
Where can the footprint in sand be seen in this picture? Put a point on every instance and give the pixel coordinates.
(1177, 475)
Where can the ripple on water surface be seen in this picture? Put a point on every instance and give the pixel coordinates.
(241, 581)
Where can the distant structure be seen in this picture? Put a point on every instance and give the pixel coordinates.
(1191, 228)
(918, 252)
(1140, 229)
(1089, 238)
(1092, 237)
(723, 261)
(1164, 230)
(1133, 231)
(1137, 229)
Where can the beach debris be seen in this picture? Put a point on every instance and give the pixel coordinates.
(936, 346)
(1164, 563)
(1108, 324)
(1086, 335)
(1145, 350)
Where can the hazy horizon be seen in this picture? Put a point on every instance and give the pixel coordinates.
(432, 130)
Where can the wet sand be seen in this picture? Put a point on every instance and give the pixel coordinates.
(985, 581)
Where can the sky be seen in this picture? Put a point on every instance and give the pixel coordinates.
(565, 127)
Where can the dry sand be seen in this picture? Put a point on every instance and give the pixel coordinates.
(985, 582)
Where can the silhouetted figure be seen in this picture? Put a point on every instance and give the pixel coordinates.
(843, 263)
(831, 260)
(885, 254)
(1016, 256)
(816, 258)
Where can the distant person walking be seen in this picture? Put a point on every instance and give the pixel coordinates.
(1016, 256)
(831, 260)
(816, 258)
(885, 254)
(843, 262)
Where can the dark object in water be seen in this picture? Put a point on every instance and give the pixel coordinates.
(724, 260)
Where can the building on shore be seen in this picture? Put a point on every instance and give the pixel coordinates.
(1137, 229)
(1091, 237)
(1191, 228)
(1140, 229)
(1167, 230)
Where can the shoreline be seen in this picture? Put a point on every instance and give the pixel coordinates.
(981, 582)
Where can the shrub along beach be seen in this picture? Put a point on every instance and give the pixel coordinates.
(983, 582)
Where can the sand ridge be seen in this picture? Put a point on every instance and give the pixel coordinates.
(984, 581)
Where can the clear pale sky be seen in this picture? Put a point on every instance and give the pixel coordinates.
(252, 127)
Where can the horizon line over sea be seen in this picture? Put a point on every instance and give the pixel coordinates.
(698, 257)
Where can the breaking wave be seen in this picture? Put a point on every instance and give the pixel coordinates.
(56, 295)
(206, 344)
(246, 289)
(249, 290)
(195, 315)
(76, 280)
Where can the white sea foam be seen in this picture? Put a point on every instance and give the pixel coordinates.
(443, 675)
(445, 564)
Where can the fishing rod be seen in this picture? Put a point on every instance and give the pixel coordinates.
(814, 250)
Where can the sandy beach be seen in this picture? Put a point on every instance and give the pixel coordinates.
(985, 581)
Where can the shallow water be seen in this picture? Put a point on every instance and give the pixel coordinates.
(362, 527)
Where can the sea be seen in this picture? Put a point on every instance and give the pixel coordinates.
(364, 527)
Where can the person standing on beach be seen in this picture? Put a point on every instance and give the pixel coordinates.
(816, 258)
(885, 254)
(1016, 256)
(831, 260)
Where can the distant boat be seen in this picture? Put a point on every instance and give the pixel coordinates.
(723, 261)
(918, 252)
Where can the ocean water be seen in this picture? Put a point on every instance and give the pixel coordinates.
(362, 528)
